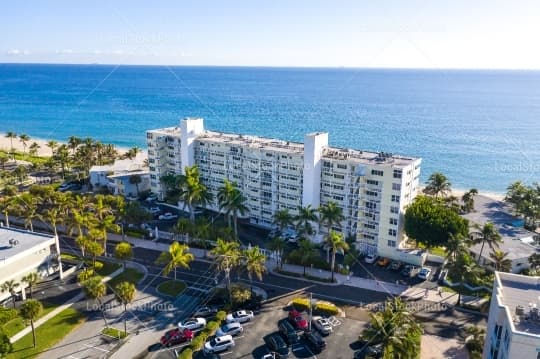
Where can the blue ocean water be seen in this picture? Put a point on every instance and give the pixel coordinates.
(481, 128)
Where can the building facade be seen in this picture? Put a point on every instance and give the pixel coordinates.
(118, 177)
(371, 188)
(513, 329)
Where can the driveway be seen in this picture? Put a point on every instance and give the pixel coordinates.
(434, 347)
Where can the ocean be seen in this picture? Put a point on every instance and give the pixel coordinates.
(480, 128)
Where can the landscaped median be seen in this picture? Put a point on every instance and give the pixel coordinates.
(171, 287)
(318, 307)
(198, 342)
(113, 333)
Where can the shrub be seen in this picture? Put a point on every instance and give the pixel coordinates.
(220, 316)
(198, 342)
(5, 345)
(98, 266)
(186, 354)
(7, 314)
(300, 304)
(326, 308)
(211, 328)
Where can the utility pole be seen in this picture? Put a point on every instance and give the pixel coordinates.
(310, 310)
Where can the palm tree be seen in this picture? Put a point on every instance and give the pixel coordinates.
(62, 157)
(28, 204)
(24, 140)
(283, 219)
(95, 289)
(330, 215)
(124, 292)
(11, 287)
(106, 219)
(135, 179)
(52, 144)
(30, 310)
(73, 143)
(192, 192)
(456, 245)
(177, 256)
(225, 193)
(335, 242)
(500, 261)
(463, 269)
(33, 149)
(237, 206)
(306, 216)
(278, 245)
(124, 252)
(468, 200)
(437, 185)
(132, 153)
(11, 135)
(184, 227)
(254, 261)
(306, 252)
(487, 234)
(201, 231)
(31, 279)
(227, 257)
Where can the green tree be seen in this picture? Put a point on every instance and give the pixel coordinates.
(526, 202)
(278, 246)
(283, 219)
(305, 252)
(30, 310)
(61, 156)
(21, 172)
(456, 245)
(11, 135)
(31, 279)
(331, 215)
(135, 213)
(468, 200)
(437, 185)
(254, 262)
(225, 193)
(429, 221)
(5, 345)
(488, 234)
(3, 160)
(33, 149)
(11, 287)
(184, 227)
(500, 261)
(335, 242)
(176, 256)
(52, 145)
(95, 289)
(304, 219)
(136, 180)
(105, 216)
(192, 192)
(227, 258)
(124, 293)
(124, 252)
(73, 143)
(464, 270)
(534, 261)
(92, 246)
(23, 138)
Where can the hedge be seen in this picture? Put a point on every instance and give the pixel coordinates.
(326, 309)
(211, 328)
(198, 342)
(7, 314)
(301, 304)
(186, 354)
(221, 315)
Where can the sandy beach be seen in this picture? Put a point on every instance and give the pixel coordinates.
(43, 151)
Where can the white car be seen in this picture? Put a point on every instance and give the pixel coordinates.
(167, 216)
(370, 258)
(233, 329)
(192, 323)
(322, 325)
(240, 316)
(424, 273)
(218, 344)
(154, 210)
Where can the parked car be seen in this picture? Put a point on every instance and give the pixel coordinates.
(395, 265)
(154, 210)
(297, 320)
(442, 276)
(374, 351)
(240, 316)
(218, 344)
(151, 198)
(176, 336)
(276, 344)
(383, 262)
(233, 329)
(192, 323)
(370, 258)
(271, 355)
(206, 311)
(315, 341)
(424, 273)
(407, 271)
(287, 331)
(167, 216)
(322, 325)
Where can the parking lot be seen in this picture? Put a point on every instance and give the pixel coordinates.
(251, 344)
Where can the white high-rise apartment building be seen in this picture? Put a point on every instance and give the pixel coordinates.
(371, 188)
(513, 329)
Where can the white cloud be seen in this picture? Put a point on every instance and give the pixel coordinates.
(17, 52)
(64, 52)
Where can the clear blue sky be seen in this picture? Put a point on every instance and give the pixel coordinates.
(401, 33)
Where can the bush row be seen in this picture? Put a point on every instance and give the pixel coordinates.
(321, 308)
(7, 314)
(198, 342)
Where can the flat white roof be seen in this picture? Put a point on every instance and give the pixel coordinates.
(16, 241)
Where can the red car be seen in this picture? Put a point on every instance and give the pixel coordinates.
(176, 336)
(297, 320)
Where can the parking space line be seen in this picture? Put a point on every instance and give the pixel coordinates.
(93, 347)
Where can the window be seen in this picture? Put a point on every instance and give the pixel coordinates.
(391, 243)
(343, 167)
(339, 176)
(371, 205)
(392, 232)
(338, 198)
(372, 182)
(397, 173)
(371, 193)
(396, 186)
(394, 209)
(393, 221)
(370, 226)
(377, 173)
(395, 198)
(338, 187)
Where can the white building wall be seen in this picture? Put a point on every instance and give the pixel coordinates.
(314, 144)
(190, 129)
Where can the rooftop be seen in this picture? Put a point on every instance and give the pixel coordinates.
(521, 296)
(16, 241)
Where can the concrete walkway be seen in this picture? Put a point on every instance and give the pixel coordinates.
(56, 311)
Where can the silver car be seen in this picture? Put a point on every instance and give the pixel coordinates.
(322, 325)
(233, 329)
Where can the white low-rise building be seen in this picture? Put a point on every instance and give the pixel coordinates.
(371, 188)
(513, 329)
(118, 178)
(23, 252)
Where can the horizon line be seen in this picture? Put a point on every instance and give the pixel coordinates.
(275, 66)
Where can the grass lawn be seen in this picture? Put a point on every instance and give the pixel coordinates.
(47, 335)
(17, 324)
(171, 287)
(113, 332)
(129, 275)
(105, 268)
(438, 251)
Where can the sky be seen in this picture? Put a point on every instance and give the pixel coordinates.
(395, 34)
